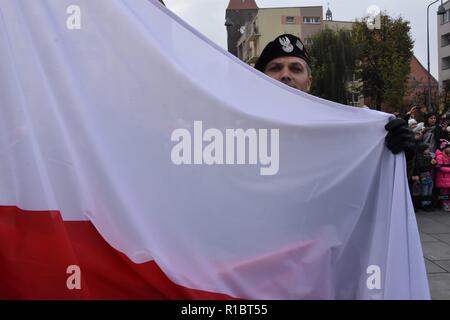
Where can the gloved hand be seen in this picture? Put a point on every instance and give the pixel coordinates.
(400, 138)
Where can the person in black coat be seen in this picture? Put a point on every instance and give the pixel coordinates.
(423, 173)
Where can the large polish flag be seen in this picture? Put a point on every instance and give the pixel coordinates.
(103, 106)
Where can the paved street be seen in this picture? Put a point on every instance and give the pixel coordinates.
(435, 235)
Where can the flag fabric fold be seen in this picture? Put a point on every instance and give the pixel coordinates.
(120, 154)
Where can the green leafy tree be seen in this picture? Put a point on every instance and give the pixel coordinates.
(444, 98)
(385, 54)
(333, 61)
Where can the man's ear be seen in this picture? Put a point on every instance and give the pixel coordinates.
(309, 83)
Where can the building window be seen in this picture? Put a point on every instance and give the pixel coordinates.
(354, 99)
(311, 20)
(446, 85)
(290, 20)
(445, 40)
(446, 63)
(255, 28)
(445, 17)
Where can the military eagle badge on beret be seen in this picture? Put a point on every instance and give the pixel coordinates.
(286, 44)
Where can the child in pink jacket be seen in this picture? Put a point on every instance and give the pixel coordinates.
(443, 173)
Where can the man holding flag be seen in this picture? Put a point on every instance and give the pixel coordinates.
(286, 59)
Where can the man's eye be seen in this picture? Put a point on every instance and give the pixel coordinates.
(274, 68)
(296, 69)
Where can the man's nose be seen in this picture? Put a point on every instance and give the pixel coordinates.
(285, 75)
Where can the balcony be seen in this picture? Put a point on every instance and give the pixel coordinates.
(444, 29)
(252, 31)
(444, 74)
(250, 55)
(252, 59)
(444, 52)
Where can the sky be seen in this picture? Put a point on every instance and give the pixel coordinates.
(208, 17)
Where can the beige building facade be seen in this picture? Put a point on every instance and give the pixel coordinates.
(304, 22)
(269, 23)
(444, 46)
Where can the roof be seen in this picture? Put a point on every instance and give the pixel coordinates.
(296, 7)
(425, 70)
(242, 5)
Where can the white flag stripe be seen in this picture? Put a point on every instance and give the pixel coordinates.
(88, 119)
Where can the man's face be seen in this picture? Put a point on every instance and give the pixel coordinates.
(291, 71)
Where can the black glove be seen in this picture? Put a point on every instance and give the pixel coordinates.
(400, 138)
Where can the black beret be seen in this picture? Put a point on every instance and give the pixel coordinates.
(286, 45)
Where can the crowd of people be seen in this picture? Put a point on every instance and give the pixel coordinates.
(429, 169)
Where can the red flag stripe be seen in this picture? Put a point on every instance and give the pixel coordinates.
(36, 249)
